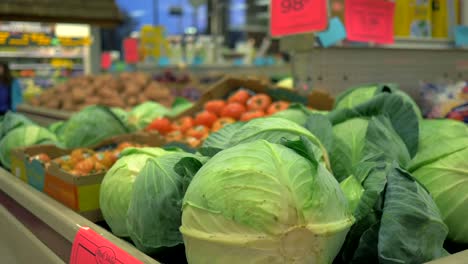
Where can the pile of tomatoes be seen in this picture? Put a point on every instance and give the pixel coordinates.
(240, 106)
(84, 162)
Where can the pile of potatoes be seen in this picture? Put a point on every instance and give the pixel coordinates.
(125, 90)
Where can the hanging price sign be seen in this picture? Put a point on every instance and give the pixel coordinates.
(297, 16)
(370, 21)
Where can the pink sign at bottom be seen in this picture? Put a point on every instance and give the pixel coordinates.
(91, 248)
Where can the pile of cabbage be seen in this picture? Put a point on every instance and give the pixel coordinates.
(369, 182)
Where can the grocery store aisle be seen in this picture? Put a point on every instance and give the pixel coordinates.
(18, 245)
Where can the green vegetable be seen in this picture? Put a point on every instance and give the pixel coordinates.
(353, 190)
(142, 115)
(393, 120)
(56, 127)
(12, 120)
(23, 136)
(179, 106)
(262, 202)
(117, 186)
(441, 165)
(90, 126)
(121, 114)
(353, 97)
(154, 215)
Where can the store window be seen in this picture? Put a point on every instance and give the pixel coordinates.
(175, 15)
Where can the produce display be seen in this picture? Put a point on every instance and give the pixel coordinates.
(85, 162)
(125, 91)
(240, 106)
(270, 181)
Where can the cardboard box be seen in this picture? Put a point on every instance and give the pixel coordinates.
(222, 89)
(80, 193)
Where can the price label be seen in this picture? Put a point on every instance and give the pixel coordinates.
(370, 21)
(130, 46)
(297, 16)
(461, 36)
(89, 247)
(106, 60)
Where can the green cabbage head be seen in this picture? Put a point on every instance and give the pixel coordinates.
(261, 202)
(441, 165)
(117, 186)
(23, 136)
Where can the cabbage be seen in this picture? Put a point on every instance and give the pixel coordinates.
(271, 129)
(261, 202)
(355, 96)
(396, 219)
(142, 115)
(295, 115)
(154, 215)
(90, 126)
(12, 120)
(179, 106)
(121, 114)
(441, 165)
(23, 136)
(117, 185)
(56, 127)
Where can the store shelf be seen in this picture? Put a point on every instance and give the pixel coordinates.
(16, 54)
(41, 66)
(230, 69)
(43, 116)
(52, 223)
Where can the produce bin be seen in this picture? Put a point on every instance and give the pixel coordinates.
(80, 193)
(320, 99)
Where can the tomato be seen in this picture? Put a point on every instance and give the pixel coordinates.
(174, 136)
(183, 124)
(259, 102)
(198, 132)
(193, 142)
(233, 110)
(247, 116)
(215, 106)
(241, 97)
(77, 155)
(99, 167)
(222, 122)
(162, 125)
(277, 107)
(205, 118)
(85, 166)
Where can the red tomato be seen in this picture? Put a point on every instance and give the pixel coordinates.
(215, 106)
(222, 122)
(247, 116)
(85, 166)
(124, 145)
(183, 124)
(162, 125)
(205, 118)
(259, 102)
(241, 97)
(198, 132)
(277, 107)
(233, 110)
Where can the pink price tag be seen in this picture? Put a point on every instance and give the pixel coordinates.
(91, 248)
(130, 47)
(297, 16)
(370, 21)
(106, 60)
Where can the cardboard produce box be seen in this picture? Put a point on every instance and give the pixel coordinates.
(80, 193)
(320, 100)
